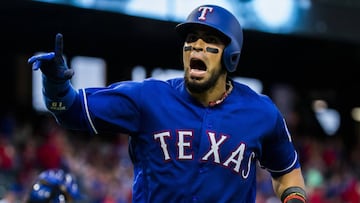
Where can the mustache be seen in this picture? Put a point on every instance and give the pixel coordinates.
(208, 49)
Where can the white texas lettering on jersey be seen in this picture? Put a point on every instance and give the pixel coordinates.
(204, 10)
(182, 144)
(161, 136)
(214, 147)
(235, 158)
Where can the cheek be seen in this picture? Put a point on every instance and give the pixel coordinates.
(186, 57)
(215, 58)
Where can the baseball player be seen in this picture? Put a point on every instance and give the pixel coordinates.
(192, 139)
(54, 186)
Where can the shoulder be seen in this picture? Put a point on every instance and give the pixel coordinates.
(174, 83)
(148, 82)
(266, 110)
(171, 82)
(254, 101)
(135, 87)
(247, 93)
(148, 87)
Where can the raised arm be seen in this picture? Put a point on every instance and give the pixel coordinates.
(57, 89)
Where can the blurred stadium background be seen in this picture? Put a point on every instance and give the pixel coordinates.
(305, 54)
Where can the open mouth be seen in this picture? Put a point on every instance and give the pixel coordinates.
(197, 69)
(197, 64)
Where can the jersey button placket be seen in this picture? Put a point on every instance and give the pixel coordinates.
(208, 124)
(208, 119)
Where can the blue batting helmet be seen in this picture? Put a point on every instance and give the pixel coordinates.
(224, 22)
(54, 186)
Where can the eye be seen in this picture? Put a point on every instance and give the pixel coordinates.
(211, 39)
(191, 38)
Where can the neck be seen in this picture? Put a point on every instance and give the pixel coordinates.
(216, 94)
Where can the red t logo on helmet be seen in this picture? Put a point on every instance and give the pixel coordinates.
(204, 10)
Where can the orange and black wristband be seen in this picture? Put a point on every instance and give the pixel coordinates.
(294, 195)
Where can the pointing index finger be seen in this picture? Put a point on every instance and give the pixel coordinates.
(59, 45)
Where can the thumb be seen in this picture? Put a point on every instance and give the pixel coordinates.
(68, 73)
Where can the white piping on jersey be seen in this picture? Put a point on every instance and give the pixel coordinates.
(87, 112)
(279, 171)
(287, 130)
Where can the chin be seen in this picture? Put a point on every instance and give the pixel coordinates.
(196, 85)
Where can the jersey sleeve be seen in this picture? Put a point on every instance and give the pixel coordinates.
(112, 109)
(279, 155)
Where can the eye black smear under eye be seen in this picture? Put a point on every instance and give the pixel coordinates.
(187, 48)
(212, 50)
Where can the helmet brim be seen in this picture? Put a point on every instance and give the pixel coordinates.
(183, 29)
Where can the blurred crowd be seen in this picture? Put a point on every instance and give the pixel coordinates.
(100, 163)
(103, 168)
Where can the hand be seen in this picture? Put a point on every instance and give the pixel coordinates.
(53, 64)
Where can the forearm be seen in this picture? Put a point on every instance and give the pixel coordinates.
(63, 101)
(289, 184)
(60, 98)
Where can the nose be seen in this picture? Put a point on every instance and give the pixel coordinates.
(199, 45)
(197, 49)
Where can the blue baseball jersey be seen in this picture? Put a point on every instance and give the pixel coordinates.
(183, 151)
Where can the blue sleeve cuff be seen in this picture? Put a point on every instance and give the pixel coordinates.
(58, 97)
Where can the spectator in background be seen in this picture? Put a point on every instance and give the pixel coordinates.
(7, 154)
(54, 186)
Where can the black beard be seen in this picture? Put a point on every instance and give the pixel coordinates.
(202, 87)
